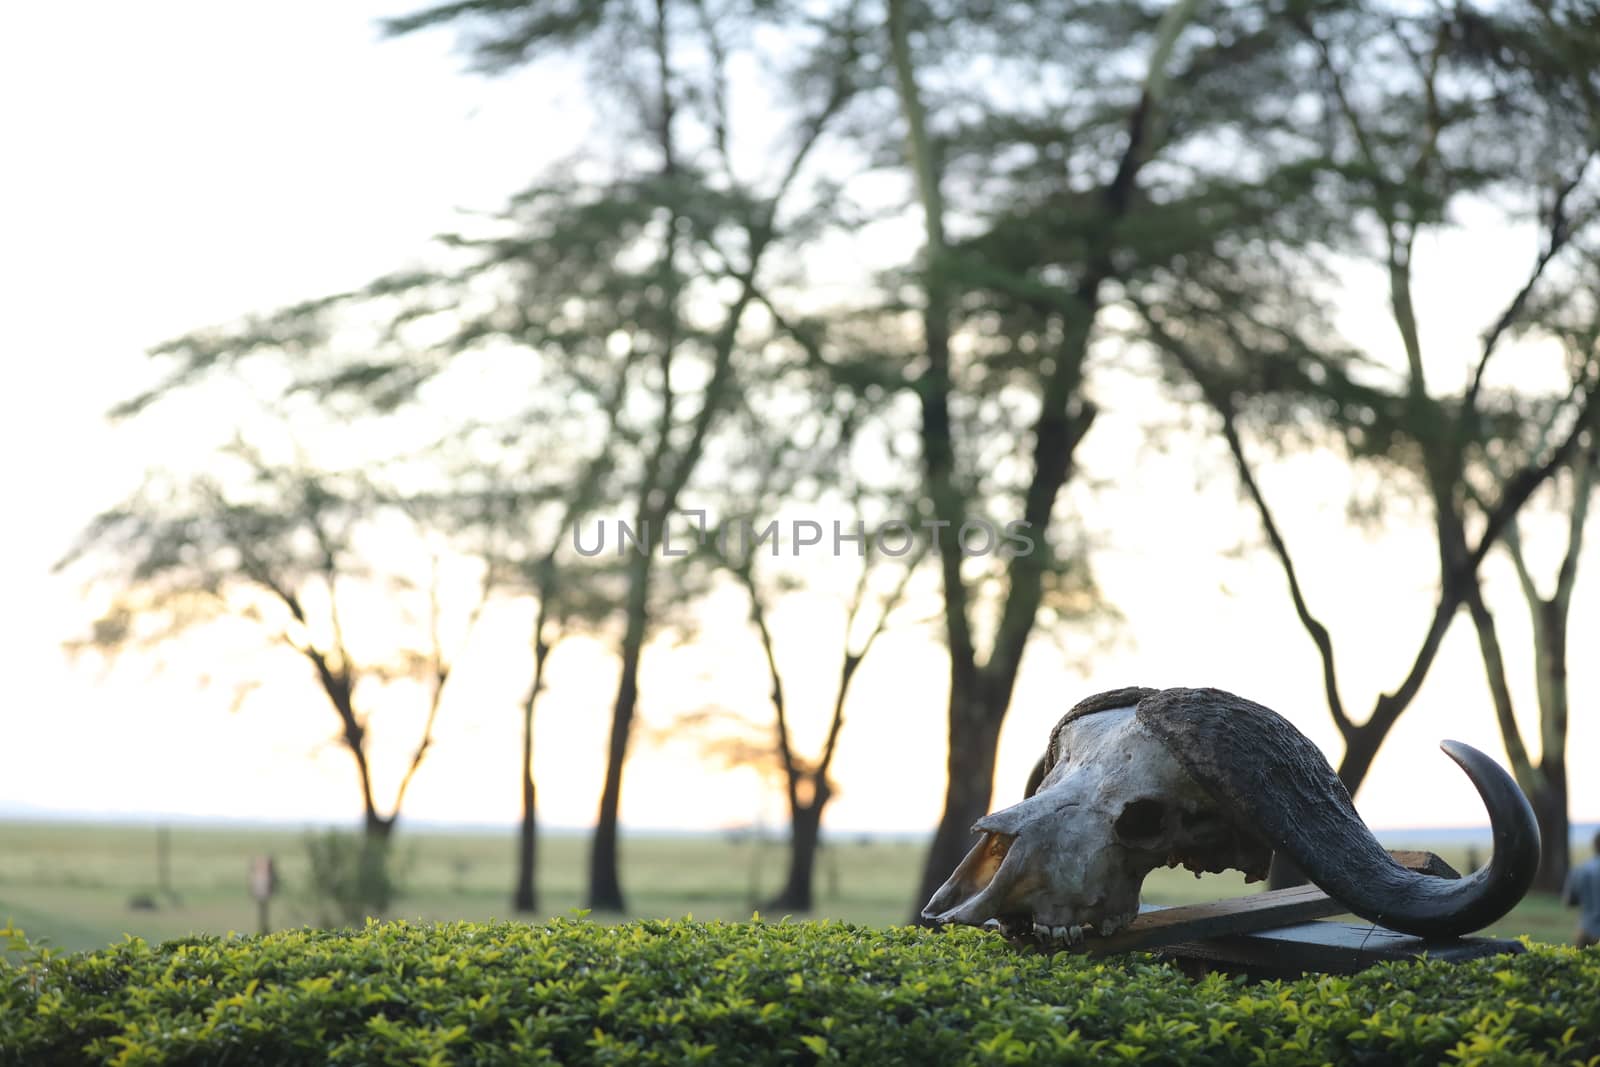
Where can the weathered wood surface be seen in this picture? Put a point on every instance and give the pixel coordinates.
(1331, 947)
(1158, 926)
(1273, 935)
(1324, 948)
(1424, 862)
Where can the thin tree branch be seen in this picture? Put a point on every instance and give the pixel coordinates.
(1221, 402)
(1524, 482)
(853, 658)
(1583, 483)
(758, 617)
(442, 669)
(1494, 667)
(718, 93)
(934, 386)
(1557, 237)
(761, 237)
(1061, 425)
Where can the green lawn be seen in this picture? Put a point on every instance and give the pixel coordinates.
(72, 883)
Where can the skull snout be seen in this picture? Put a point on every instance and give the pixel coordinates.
(969, 892)
(1056, 860)
(1003, 870)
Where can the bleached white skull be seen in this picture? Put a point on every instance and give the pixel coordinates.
(1134, 779)
(1072, 857)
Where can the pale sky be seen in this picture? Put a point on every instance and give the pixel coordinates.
(176, 164)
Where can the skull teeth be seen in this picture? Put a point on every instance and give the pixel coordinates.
(1071, 935)
(1078, 933)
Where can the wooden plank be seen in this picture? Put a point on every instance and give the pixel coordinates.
(1423, 862)
(1324, 947)
(1157, 926)
(1260, 911)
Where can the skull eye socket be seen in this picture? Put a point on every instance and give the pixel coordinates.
(1141, 822)
(1205, 828)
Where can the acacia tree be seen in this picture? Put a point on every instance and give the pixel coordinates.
(505, 481)
(568, 598)
(519, 515)
(275, 547)
(801, 437)
(1544, 781)
(631, 267)
(693, 225)
(807, 785)
(1205, 193)
(1418, 114)
(1550, 44)
(1572, 316)
(1038, 216)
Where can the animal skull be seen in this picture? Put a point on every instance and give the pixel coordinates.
(1136, 778)
(1073, 856)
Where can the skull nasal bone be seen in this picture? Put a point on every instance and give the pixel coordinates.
(1141, 820)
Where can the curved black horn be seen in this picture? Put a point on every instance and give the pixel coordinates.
(1276, 783)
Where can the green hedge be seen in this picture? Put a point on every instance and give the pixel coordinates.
(755, 993)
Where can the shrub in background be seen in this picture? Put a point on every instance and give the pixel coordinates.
(352, 877)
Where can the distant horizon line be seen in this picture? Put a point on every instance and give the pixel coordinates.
(424, 825)
(269, 822)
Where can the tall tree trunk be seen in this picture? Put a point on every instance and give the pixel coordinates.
(1550, 801)
(1555, 831)
(378, 828)
(525, 897)
(1360, 749)
(966, 796)
(375, 825)
(1545, 783)
(974, 742)
(805, 831)
(605, 885)
(655, 501)
(980, 695)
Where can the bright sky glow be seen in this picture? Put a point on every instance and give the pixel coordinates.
(181, 163)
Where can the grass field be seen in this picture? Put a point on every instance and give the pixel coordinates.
(72, 883)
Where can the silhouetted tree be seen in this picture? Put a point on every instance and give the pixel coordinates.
(1419, 114)
(275, 546)
(690, 225)
(1059, 219)
(803, 438)
(1572, 315)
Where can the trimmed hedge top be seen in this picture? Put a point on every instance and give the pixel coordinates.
(756, 993)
